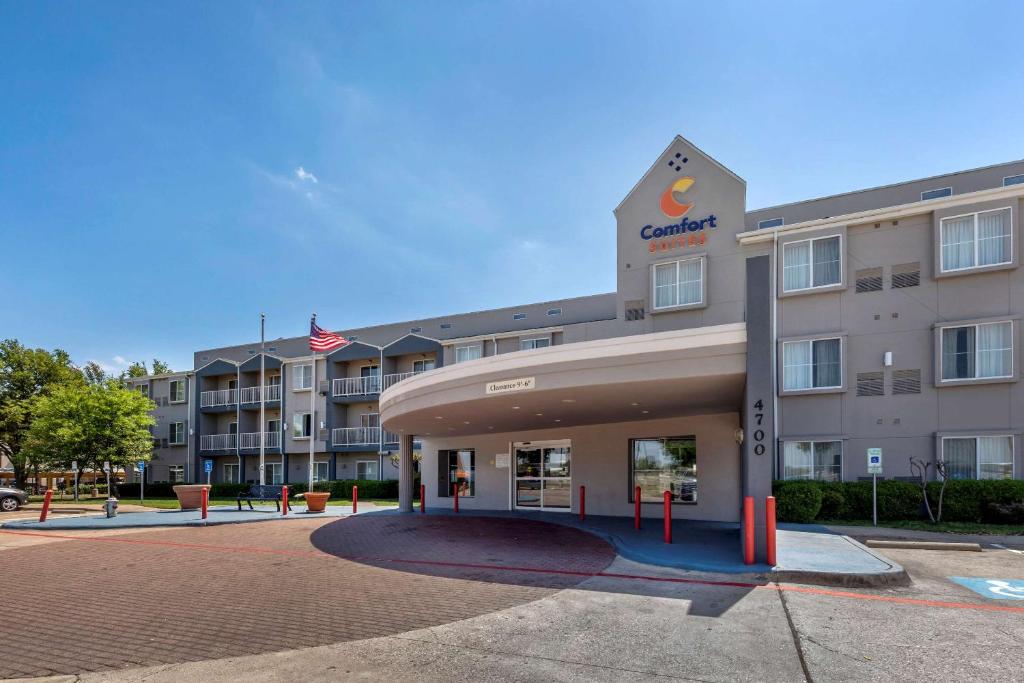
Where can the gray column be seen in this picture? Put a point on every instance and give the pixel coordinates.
(759, 400)
(405, 472)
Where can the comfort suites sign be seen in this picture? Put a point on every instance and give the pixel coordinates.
(686, 233)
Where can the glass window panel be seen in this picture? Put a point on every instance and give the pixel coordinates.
(556, 462)
(665, 464)
(528, 462)
(826, 269)
(176, 474)
(796, 266)
(528, 492)
(994, 237)
(666, 281)
(462, 471)
(321, 471)
(957, 243)
(958, 353)
(557, 493)
(995, 457)
(798, 460)
(303, 377)
(690, 276)
(827, 364)
(960, 456)
(466, 353)
(995, 350)
(797, 365)
(367, 470)
(273, 473)
(828, 460)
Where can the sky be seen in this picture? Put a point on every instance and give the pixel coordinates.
(170, 170)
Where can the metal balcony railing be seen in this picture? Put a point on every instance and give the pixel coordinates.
(389, 438)
(252, 394)
(220, 397)
(355, 436)
(356, 386)
(218, 442)
(395, 378)
(252, 440)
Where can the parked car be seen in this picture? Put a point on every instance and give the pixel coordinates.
(11, 498)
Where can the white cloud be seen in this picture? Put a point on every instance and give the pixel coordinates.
(120, 360)
(305, 176)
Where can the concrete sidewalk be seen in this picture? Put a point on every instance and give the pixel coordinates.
(888, 533)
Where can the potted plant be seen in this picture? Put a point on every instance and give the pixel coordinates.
(316, 501)
(190, 496)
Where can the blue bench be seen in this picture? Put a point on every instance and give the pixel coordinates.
(259, 492)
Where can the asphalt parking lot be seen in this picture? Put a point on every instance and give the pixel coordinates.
(443, 598)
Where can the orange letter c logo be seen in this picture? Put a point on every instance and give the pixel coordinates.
(669, 206)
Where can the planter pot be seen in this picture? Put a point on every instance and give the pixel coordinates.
(190, 496)
(317, 501)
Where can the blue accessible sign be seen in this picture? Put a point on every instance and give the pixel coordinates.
(208, 465)
(140, 466)
(994, 589)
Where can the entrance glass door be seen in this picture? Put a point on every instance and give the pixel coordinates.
(543, 479)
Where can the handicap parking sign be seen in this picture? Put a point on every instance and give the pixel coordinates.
(994, 589)
(208, 465)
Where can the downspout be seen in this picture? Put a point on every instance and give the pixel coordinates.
(775, 354)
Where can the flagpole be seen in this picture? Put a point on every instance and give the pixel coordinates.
(312, 416)
(263, 398)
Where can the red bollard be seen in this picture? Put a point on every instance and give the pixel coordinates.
(455, 490)
(636, 508)
(423, 499)
(769, 515)
(46, 505)
(748, 530)
(284, 500)
(583, 503)
(205, 497)
(668, 517)
(355, 499)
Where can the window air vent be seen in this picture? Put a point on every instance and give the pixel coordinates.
(1013, 180)
(634, 310)
(906, 382)
(446, 326)
(770, 223)
(906, 275)
(554, 311)
(519, 316)
(414, 330)
(869, 280)
(870, 384)
(935, 194)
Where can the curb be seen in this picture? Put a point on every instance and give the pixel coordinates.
(923, 545)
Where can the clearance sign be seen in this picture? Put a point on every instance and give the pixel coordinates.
(684, 234)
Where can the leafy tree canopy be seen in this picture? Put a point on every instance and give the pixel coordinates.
(90, 423)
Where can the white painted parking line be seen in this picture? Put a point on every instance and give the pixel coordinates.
(1003, 547)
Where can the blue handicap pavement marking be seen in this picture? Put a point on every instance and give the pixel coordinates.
(996, 589)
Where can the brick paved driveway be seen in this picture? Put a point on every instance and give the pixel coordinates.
(192, 594)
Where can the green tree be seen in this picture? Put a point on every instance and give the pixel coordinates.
(92, 424)
(160, 367)
(136, 369)
(94, 373)
(26, 374)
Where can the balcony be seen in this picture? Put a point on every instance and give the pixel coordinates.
(251, 440)
(252, 394)
(395, 378)
(218, 399)
(355, 436)
(390, 438)
(218, 442)
(355, 386)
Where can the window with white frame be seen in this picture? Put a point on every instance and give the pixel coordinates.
(176, 474)
(678, 283)
(981, 351)
(367, 470)
(321, 471)
(176, 433)
(231, 472)
(978, 457)
(273, 473)
(812, 364)
(423, 365)
(143, 389)
(813, 263)
(302, 425)
(976, 240)
(468, 352)
(821, 460)
(302, 378)
(537, 343)
(177, 390)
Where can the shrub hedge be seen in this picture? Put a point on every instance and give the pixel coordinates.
(964, 501)
(342, 488)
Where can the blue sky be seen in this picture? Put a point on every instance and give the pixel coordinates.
(169, 170)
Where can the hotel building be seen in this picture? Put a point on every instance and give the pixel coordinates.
(738, 347)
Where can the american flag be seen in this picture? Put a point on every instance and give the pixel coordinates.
(322, 340)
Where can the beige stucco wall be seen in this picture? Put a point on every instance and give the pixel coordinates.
(600, 461)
